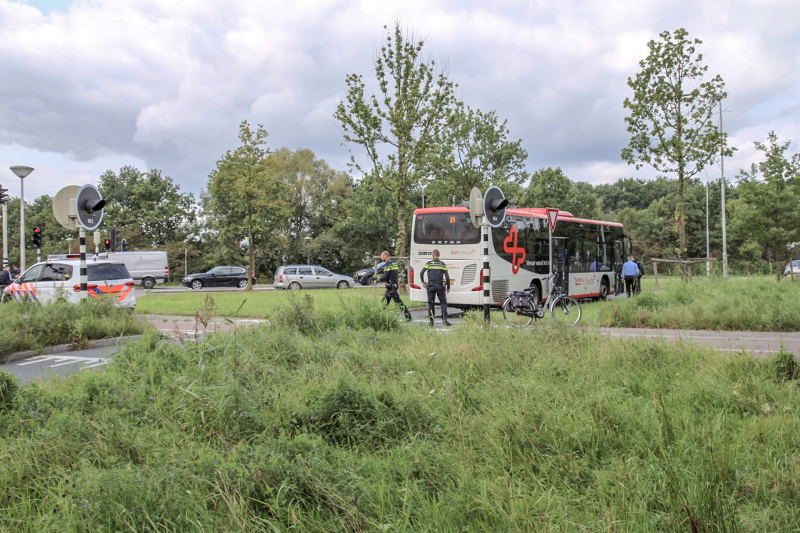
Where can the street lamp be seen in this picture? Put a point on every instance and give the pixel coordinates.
(69, 243)
(21, 172)
(308, 259)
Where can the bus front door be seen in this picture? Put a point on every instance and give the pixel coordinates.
(561, 263)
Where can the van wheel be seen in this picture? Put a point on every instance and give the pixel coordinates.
(294, 286)
(148, 283)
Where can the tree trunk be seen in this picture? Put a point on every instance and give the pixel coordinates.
(251, 246)
(401, 236)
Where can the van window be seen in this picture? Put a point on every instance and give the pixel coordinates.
(305, 271)
(32, 274)
(107, 271)
(290, 271)
(56, 272)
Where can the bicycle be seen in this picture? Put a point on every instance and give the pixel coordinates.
(520, 310)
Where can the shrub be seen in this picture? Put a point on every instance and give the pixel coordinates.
(9, 384)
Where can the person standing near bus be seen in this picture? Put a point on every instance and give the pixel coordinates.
(390, 270)
(438, 279)
(638, 287)
(630, 271)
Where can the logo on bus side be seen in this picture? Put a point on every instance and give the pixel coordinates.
(512, 248)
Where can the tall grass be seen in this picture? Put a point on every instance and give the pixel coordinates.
(748, 305)
(30, 325)
(360, 429)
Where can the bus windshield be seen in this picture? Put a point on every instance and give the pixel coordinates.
(445, 228)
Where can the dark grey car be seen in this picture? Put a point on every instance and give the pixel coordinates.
(309, 277)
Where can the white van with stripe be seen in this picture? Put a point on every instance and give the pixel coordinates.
(52, 279)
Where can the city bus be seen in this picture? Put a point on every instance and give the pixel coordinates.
(587, 254)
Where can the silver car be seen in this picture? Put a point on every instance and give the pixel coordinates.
(309, 277)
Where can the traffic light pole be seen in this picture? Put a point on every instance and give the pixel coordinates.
(487, 273)
(83, 279)
(5, 236)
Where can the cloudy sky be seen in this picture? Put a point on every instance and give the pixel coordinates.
(89, 85)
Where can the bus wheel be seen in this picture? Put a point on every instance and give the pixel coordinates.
(604, 289)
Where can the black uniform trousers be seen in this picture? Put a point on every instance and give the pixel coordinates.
(437, 290)
(391, 294)
(630, 281)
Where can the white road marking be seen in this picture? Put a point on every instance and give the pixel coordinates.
(37, 359)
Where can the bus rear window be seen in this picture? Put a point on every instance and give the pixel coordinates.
(445, 228)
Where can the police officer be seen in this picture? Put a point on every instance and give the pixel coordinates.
(390, 270)
(438, 279)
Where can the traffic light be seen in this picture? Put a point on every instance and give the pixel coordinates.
(37, 237)
(107, 244)
(116, 235)
(3, 195)
(123, 245)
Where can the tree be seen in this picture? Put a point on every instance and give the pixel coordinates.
(474, 151)
(671, 114)
(398, 127)
(552, 188)
(767, 212)
(149, 204)
(245, 198)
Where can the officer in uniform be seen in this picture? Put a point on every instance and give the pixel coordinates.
(438, 285)
(390, 270)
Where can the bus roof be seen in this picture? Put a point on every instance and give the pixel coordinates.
(537, 212)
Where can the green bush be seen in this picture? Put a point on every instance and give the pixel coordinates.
(9, 384)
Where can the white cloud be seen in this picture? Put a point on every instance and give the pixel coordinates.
(165, 84)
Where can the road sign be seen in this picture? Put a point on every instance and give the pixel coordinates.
(476, 207)
(494, 206)
(552, 217)
(89, 207)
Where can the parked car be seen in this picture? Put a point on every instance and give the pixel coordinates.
(309, 277)
(366, 275)
(46, 281)
(221, 276)
(795, 268)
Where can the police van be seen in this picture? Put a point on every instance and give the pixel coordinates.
(53, 279)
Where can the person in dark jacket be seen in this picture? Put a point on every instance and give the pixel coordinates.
(5, 277)
(390, 271)
(438, 286)
(630, 271)
(638, 287)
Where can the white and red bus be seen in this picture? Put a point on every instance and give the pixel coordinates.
(587, 254)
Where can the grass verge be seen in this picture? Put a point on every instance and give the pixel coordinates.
(714, 304)
(258, 304)
(30, 325)
(367, 428)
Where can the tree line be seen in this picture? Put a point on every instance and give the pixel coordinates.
(413, 140)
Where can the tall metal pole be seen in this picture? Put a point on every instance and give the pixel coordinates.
(83, 279)
(487, 273)
(22, 224)
(5, 236)
(722, 181)
(708, 238)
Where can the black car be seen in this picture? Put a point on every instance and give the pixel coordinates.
(221, 276)
(365, 275)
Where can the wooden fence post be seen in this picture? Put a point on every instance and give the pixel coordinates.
(655, 273)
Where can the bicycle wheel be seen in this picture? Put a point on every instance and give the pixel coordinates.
(518, 316)
(566, 310)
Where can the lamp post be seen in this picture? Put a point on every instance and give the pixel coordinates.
(308, 259)
(21, 172)
(69, 243)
